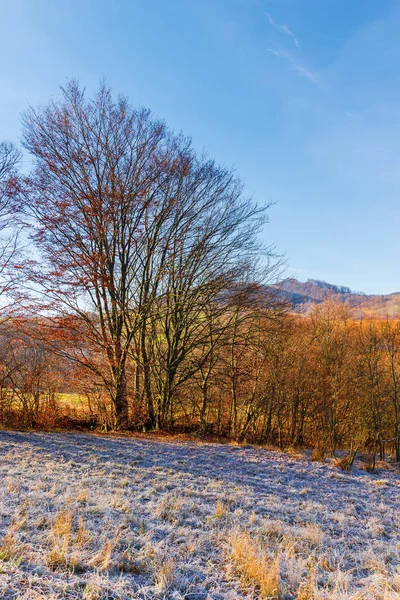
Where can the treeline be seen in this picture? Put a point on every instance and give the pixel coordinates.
(259, 375)
(335, 289)
(133, 275)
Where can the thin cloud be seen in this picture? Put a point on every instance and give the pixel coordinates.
(284, 28)
(295, 65)
(303, 72)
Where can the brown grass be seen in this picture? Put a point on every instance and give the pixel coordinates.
(345, 463)
(221, 510)
(253, 566)
(318, 455)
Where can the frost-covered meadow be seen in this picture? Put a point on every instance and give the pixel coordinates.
(91, 517)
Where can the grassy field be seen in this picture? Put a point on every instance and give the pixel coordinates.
(72, 400)
(91, 517)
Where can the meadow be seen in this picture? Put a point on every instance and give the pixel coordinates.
(105, 517)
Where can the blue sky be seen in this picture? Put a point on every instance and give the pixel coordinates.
(302, 97)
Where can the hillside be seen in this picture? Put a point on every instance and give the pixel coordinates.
(303, 295)
(95, 518)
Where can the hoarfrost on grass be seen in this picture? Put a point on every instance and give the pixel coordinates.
(93, 517)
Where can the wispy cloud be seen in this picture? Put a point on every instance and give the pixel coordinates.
(284, 28)
(293, 58)
(295, 64)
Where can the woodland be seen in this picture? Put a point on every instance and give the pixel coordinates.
(136, 296)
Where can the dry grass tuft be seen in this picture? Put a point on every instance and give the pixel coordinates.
(170, 508)
(318, 455)
(345, 463)
(94, 590)
(164, 574)
(307, 588)
(64, 548)
(101, 560)
(253, 566)
(59, 540)
(11, 550)
(221, 510)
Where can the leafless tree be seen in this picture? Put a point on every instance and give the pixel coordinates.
(140, 237)
(209, 252)
(9, 232)
(99, 167)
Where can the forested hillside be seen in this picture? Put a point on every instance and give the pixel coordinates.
(302, 295)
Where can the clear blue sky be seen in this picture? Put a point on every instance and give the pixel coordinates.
(302, 97)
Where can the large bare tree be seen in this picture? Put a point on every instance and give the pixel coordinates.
(211, 262)
(139, 236)
(99, 165)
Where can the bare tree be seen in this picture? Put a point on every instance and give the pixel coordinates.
(99, 168)
(9, 161)
(210, 252)
(131, 226)
(9, 233)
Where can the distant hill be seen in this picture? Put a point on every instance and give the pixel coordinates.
(302, 295)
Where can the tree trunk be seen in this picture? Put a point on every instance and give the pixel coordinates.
(121, 400)
(151, 416)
